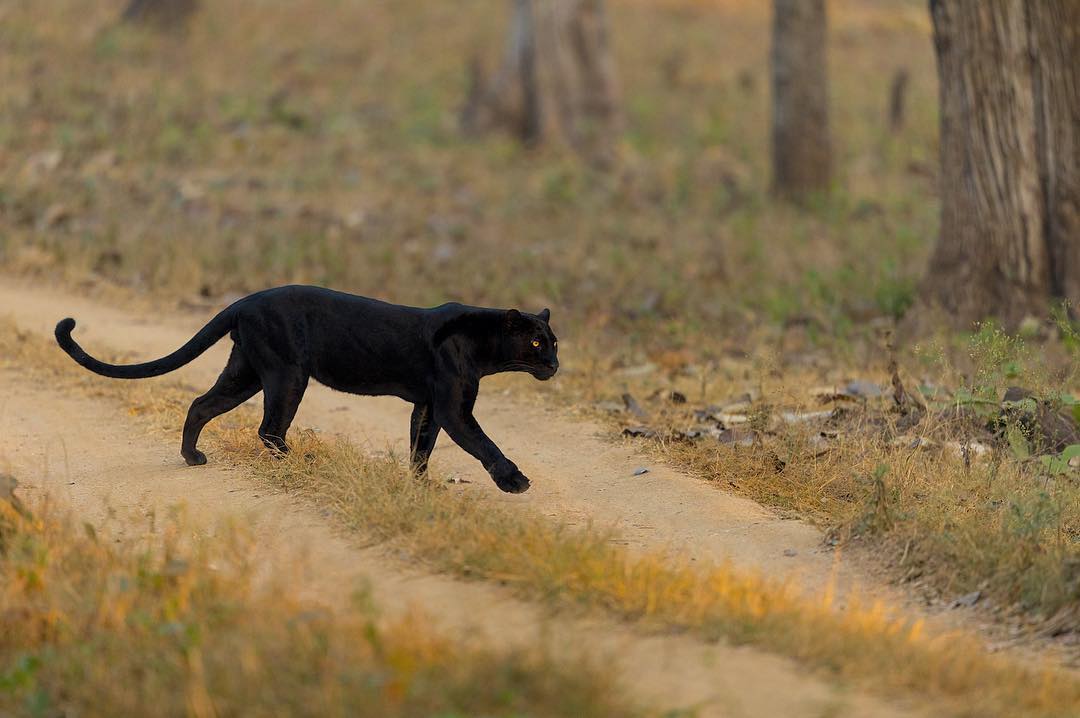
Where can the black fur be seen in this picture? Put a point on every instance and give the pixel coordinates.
(432, 358)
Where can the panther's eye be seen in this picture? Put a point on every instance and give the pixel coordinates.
(536, 343)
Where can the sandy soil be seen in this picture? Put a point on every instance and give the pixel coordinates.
(113, 469)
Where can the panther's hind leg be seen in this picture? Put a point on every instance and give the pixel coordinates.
(238, 383)
(423, 432)
(282, 392)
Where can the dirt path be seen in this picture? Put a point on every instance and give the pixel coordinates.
(108, 465)
(577, 475)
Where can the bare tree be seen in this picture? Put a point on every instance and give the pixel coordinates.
(556, 80)
(1009, 241)
(801, 149)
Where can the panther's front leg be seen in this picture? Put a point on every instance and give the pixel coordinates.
(454, 398)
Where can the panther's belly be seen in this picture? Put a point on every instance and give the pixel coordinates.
(368, 387)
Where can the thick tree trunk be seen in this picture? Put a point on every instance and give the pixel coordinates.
(801, 148)
(556, 82)
(1054, 29)
(1008, 158)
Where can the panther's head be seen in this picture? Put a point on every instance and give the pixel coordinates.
(530, 345)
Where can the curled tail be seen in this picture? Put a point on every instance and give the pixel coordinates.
(206, 337)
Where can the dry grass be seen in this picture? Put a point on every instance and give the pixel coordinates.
(995, 526)
(98, 626)
(999, 523)
(865, 644)
(376, 497)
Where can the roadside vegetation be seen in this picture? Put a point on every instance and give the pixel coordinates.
(92, 624)
(963, 485)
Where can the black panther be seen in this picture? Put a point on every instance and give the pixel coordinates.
(432, 358)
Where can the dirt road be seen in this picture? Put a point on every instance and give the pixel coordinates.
(109, 465)
(576, 474)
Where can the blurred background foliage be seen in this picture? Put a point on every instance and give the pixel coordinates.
(263, 143)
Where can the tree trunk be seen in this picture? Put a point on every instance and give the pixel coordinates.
(556, 81)
(165, 14)
(1054, 28)
(1009, 235)
(801, 149)
(898, 99)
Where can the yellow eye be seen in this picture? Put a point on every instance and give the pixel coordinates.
(536, 343)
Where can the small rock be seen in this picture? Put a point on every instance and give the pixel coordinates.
(1016, 394)
(819, 445)
(967, 600)
(789, 552)
(639, 432)
(973, 450)
(1074, 462)
(700, 432)
(705, 414)
(640, 470)
(863, 388)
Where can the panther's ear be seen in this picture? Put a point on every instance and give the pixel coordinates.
(513, 317)
(545, 314)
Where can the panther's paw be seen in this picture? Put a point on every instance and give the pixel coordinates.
(509, 479)
(194, 457)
